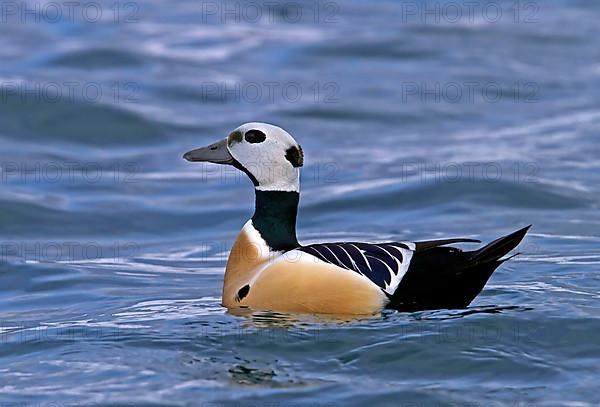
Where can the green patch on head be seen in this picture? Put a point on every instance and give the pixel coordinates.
(234, 137)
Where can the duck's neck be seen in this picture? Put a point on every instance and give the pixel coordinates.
(275, 218)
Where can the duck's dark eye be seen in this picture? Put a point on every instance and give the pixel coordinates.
(255, 136)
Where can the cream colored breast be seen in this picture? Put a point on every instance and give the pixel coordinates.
(294, 282)
(249, 254)
(299, 282)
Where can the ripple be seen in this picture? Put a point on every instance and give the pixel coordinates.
(475, 192)
(171, 309)
(97, 59)
(63, 121)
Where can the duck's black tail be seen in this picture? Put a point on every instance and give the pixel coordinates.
(446, 277)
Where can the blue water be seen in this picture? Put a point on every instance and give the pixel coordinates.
(113, 247)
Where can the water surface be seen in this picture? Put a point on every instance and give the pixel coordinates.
(113, 247)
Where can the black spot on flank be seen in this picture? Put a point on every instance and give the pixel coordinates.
(295, 156)
(255, 136)
(243, 292)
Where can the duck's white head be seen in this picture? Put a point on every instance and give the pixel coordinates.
(266, 153)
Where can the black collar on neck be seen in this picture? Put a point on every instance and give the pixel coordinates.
(275, 218)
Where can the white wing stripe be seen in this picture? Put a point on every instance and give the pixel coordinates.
(383, 264)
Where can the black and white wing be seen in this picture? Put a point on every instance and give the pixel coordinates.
(383, 263)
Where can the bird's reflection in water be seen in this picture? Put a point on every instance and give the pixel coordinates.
(272, 319)
(242, 374)
(257, 329)
(462, 313)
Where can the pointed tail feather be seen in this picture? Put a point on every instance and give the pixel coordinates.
(446, 277)
(498, 248)
(430, 244)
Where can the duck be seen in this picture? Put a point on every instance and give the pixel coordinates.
(269, 270)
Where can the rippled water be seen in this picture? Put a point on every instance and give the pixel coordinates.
(113, 248)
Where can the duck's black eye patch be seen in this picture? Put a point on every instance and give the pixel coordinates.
(295, 156)
(255, 136)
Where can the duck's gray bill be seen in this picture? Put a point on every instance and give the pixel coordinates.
(215, 153)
